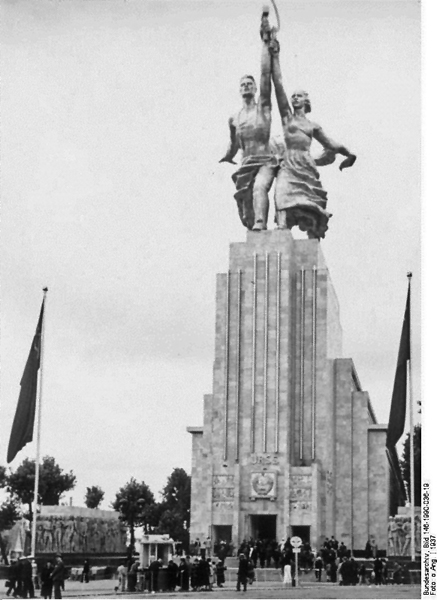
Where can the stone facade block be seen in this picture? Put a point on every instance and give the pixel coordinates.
(281, 448)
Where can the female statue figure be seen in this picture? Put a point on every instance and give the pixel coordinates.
(299, 196)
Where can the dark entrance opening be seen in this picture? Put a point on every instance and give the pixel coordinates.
(302, 531)
(264, 527)
(221, 533)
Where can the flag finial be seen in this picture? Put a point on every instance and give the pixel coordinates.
(409, 274)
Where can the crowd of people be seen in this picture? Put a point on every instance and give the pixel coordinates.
(23, 578)
(270, 554)
(195, 573)
(202, 571)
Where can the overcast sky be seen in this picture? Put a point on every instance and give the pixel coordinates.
(114, 117)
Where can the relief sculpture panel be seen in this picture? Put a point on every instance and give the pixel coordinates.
(79, 533)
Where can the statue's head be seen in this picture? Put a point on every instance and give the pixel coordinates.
(247, 86)
(300, 99)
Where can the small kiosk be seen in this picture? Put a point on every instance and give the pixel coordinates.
(154, 547)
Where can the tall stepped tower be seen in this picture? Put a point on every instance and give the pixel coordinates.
(289, 443)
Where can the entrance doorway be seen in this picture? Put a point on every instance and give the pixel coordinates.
(263, 527)
(221, 533)
(302, 531)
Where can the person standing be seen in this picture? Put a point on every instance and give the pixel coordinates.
(378, 567)
(46, 580)
(85, 572)
(287, 572)
(243, 568)
(154, 568)
(172, 570)
(318, 566)
(122, 574)
(184, 575)
(58, 575)
(208, 544)
(12, 578)
(220, 571)
(133, 575)
(362, 574)
(25, 583)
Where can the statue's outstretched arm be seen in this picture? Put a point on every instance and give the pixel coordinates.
(331, 149)
(326, 158)
(233, 144)
(265, 96)
(281, 96)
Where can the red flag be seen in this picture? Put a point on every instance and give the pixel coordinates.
(22, 427)
(396, 422)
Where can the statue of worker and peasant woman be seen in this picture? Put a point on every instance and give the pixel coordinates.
(299, 195)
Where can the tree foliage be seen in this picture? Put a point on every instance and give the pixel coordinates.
(9, 514)
(177, 493)
(174, 517)
(94, 496)
(137, 506)
(134, 501)
(405, 463)
(128, 500)
(3, 477)
(53, 482)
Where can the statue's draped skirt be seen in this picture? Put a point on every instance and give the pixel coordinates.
(300, 193)
(297, 180)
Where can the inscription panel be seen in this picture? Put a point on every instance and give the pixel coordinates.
(301, 494)
(222, 493)
(296, 505)
(300, 481)
(225, 506)
(223, 480)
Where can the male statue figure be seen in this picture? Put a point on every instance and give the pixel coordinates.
(250, 133)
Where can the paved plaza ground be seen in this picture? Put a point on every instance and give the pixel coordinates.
(105, 589)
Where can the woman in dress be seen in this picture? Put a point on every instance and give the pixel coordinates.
(299, 196)
(287, 573)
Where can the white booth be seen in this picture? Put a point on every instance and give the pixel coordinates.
(154, 547)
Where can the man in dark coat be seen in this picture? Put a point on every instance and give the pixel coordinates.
(132, 575)
(172, 571)
(184, 575)
(318, 566)
(154, 567)
(378, 567)
(243, 569)
(58, 576)
(85, 571)
(220, 573)
(24, 578)
(12, 578)
(46, 580)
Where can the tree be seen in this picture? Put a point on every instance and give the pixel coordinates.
(177, 493)
(175, 507)
(53, 482)
(134, 501)
(94, 496)
(3, 476)
(9, 514)
(405, 464)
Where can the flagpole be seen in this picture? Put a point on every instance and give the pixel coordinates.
(38, 432)
(413, 541)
